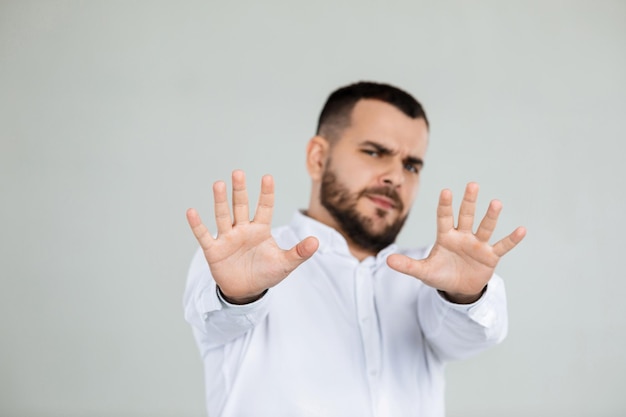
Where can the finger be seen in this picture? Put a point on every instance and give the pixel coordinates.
(445, 215)
(199, 230)
(406, 265)
(240, 198)
(468, 208)
(488, 223)
(265, 207)
(301, 252)
(222, 211)
(509, 242)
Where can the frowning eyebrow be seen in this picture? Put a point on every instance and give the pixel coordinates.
(383, 150)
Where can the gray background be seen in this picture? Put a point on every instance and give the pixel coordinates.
(115, 116)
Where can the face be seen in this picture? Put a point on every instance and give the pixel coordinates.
(371, 174)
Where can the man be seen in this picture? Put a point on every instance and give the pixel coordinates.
(343, 322)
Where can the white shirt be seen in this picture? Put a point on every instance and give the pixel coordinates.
(337, 337)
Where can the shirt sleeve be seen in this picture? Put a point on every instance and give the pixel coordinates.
(457, 331)
(216, 322)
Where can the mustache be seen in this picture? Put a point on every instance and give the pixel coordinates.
(388, 192)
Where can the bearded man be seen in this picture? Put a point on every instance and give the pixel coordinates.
(326, 316)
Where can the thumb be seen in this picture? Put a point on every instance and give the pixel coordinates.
(302, 251)
(406, 265)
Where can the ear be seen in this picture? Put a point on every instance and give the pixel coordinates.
(316, 155)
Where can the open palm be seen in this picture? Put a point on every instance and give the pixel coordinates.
(461, 261)
(244, 258)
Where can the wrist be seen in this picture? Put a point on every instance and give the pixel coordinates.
(240, 300)
(458, 298)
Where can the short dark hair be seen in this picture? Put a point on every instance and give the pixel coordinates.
(335, 115)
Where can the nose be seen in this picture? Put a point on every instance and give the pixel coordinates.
(393, 175)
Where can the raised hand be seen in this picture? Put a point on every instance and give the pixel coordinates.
(461, 261)
(244, 258)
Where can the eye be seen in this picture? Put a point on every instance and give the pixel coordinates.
(372, 153)
(412, 168)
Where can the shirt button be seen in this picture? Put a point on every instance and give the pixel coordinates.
(373, 373)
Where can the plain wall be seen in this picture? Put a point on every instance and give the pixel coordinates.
(116, 116)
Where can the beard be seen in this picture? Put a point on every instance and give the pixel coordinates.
(341, 204)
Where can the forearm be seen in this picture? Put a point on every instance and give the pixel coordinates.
(456, 331)
(215, 320)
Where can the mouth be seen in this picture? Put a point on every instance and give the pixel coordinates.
(382, 202)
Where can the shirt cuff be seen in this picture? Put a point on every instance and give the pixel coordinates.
(242, 309)
(482, 311)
